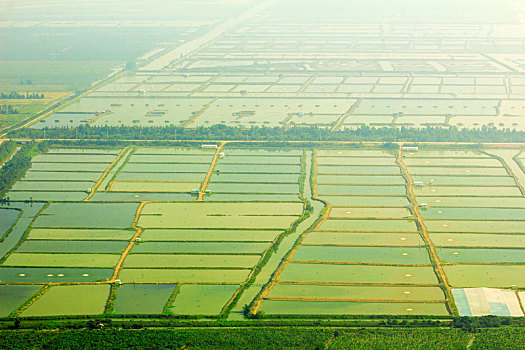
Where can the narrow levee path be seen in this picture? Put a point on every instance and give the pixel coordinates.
(434, 258)
(200, 42)
(471, 341)
(521, 300)
(9, 156)
(131, 242)
(210, 171)
(347, 114)
(199, 113)
(266, 273)
(110, 178)
(28, 215)
(507, 158)
(108, 170)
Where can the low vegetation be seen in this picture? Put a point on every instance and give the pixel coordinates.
(6, 149)
(103, 335)
(18, 108)
(13, 95)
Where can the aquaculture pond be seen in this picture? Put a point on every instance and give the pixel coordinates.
(182, 235)
(230, 275)
(333, 273)
(133, 299)
(201, 299)
(13, 296)
(80, 215)
(351, 308)
(399, 293)
(70, 300)
(385, 255)
(7, 218)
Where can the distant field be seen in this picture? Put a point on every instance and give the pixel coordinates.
(26, 108)
(273, 174)
(51, 75)
(130, 215)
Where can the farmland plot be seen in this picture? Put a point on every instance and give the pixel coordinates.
(150, 174)
(63, 174)
(133, 299)
(13, 296)
(70, 300)
(369, 237)
(475, 219)
(187, 257)
(202, 299)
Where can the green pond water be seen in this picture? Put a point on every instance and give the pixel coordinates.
(383, 255)
(151, 176)
(7, 219)
(52, 274)
(493, 255)
(351, 308)
(81, 215)
(190, 260)
(61, 175)
(208, 235)
(76, 246)
(184, 275)
(259, 168)
(350, 212)
(490, 276)
(368, 225)
(478, 240)
(356, 169)
(369, 238)
(70, 300)
(81, 234)
(133, 299)
(358, 274)
(360, 179)
(234, 159)
(254, 178)
(200, 247)
(405, 293)
(202, 299)
(12, 296)
(474, 213)
(366, 201)
(168, 158)
(253, 188)
(360, 190)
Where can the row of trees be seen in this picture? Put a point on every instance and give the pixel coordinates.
(262, 133)
(473, 323)
(8, 109)
(17, 166)
(104, 336)
(6, 148)
(13, 95)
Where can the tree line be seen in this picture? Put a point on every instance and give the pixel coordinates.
(264, 133)
(17, 166)
(6, 148)
(13, 95)
(8, 109)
